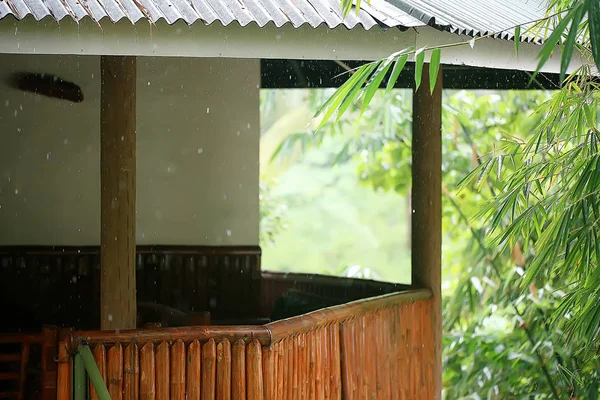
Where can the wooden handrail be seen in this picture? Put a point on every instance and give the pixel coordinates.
(292, 326)
(28, 338)
(320, 278)
(144, 249)
(189, 334)
(265, 334)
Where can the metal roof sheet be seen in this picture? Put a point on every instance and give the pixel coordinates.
(468, 17)
(478, 17)
(262, 12)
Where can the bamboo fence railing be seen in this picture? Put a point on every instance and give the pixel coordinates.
(377, 348)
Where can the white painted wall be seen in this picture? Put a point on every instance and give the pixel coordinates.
(197, 149)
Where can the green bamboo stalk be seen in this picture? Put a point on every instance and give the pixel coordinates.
(79, 378)
(93, 372)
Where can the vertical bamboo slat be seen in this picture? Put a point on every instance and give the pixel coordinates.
(147, 372)
(311, 352)
(131, 385)
(319, 389)
(402, 355)
(115, 372)
(280, 369)
(65, 372)
(394, 357)
(352, 355)
(268, 365)
(335, 367)
(209, 364)
(99, 353)
(162, 371)
(178, 371)
(303, 367)
(254, 370)
(194, 362)
(324, 337)
(295, 369)
(383, 356)
(289, 365)
(238, 371)
(224, 370)
(429, 343)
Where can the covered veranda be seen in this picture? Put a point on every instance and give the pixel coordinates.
(158, 182)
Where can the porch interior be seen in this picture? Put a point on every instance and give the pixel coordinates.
(211, 323)
(212, 302)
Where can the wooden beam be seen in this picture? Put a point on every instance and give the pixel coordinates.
(118, 170)
(427, 208)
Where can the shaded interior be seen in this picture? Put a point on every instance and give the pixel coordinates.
(176, 286)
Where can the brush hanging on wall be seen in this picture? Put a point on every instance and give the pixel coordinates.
(47, 85)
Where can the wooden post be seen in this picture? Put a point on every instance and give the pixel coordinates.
(118, 169)
(427, 208)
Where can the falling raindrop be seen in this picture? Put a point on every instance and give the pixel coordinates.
(48, 155)
(207, 110)
(228, 232)
(200, 150)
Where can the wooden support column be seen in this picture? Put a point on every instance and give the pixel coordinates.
(118, 169)
(427, 208)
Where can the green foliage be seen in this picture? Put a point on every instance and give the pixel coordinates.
(548, 199)
(272, 214)
(539, 194)
(499, 340)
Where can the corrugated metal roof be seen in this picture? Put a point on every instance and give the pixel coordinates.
(477, 17)
(468, 17)
(278, 12)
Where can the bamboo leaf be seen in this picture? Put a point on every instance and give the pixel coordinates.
(594, 24)
(398, 66)
(355, 93)
(551, 42)
(517, 38)
(570, 42)
(374, 83)
(340, 95)
(419, 61)
(434, 68)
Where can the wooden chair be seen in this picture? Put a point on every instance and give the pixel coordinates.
(14, 371)
(15, 358)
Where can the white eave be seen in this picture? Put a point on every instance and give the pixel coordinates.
(378, 30)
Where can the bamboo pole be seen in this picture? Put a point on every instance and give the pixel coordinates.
(118, 192)
(427, 209)
(94, 372)
(79, 379)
